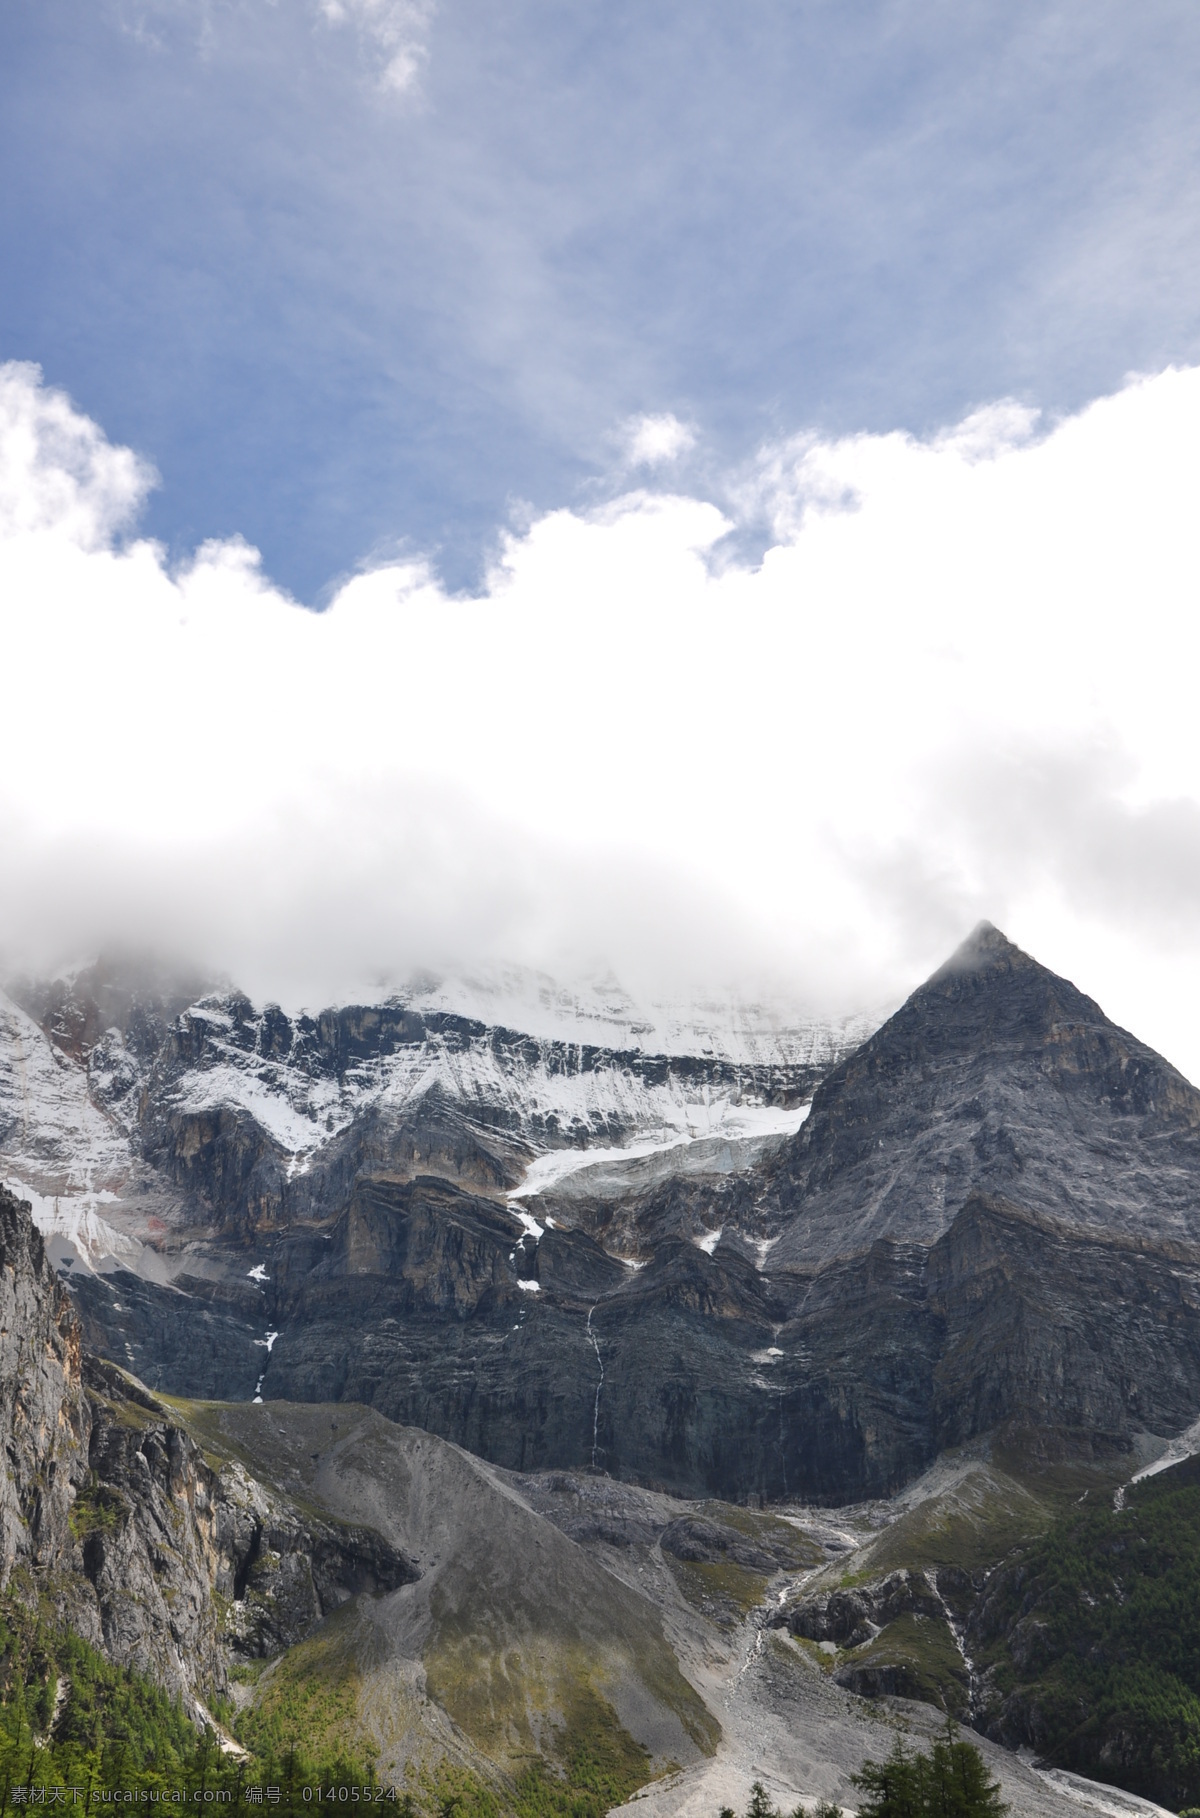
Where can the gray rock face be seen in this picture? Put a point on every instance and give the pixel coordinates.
(991, 1219)
(995, 1078)
(43, 1418)
(850, 1617)
(110, 1508)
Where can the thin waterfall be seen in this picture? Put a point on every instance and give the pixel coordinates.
(599, 1386)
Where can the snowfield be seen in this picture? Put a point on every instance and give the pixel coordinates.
(601, 1095)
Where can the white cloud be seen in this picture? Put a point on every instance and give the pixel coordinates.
(395, 31)
(57, 472)
(656, 441)
(960, 682)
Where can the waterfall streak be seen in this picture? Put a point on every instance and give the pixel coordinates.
(599, 1386)
(959, 1631)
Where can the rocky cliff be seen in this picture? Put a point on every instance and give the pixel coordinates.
(377, 1574)
(110, 1511)
(989, 1220)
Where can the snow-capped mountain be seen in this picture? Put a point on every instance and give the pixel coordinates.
(135, 1115)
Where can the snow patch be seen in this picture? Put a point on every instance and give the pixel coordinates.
(51, 1134)
(1185, 1446)
(77, 1226)
(764, 1246)
(709, 1241)
(258, 1273)
(681, 1122)
(529, 1287)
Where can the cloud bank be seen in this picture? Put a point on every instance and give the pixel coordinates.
(960, 682)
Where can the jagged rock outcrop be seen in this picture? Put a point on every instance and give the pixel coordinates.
(848, 1616)
(43, 1418)
(109, 1508)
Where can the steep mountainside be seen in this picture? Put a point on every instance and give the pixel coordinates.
(348, 1580)
(189, 1540)
(989, 1222)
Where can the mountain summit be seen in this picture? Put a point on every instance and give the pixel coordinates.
(997, 1076)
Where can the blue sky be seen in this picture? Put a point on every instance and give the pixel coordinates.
(344, 318)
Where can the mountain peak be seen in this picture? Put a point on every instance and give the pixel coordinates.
(985, 946)
(995, 1074)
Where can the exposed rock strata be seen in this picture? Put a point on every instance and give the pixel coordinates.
(991, 1219)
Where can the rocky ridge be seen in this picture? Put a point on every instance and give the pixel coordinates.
(989, 1222)
(109, 1509)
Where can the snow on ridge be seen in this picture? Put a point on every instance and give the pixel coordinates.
(51, 1134)
(601, 1013)
(303, 1110)
(298, 1112)
(69, 1130)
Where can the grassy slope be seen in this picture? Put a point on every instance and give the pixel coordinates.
(976, 1514)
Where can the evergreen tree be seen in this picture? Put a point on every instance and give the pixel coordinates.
(892, 1787)
(952, 1781)
(760, 1806)
(959, 1785)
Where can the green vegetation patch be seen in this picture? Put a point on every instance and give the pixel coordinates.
(518, 1703)
(307, 1700)
(591, 1764)
(513, 1684)
(982, 1519)
(793, 1549)
(920, 1656)
(69, 1719)
(720, 1588)
(1096, 1637)
(97, 1509)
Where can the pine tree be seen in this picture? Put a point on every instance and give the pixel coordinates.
(959, 1783)
(892, 1787)
(952, 1781)
(760, 1806)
